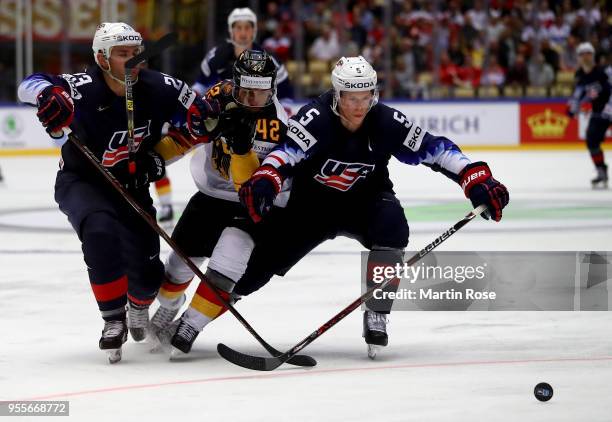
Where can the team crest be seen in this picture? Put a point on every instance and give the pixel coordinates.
(117, 149)
(342, 176)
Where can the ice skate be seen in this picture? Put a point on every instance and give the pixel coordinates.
(375, 332)
(163, 316)
(601, 179)
(138, 321)
(166, 215)
(183, 338)
(114, 335)
(160, 322)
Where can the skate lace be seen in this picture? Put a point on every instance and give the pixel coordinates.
(112, 329)
(163, 316)
(376, 321)
(138, 316)
(186, 331)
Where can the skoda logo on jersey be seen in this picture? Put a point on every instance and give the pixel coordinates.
(342, 176)
(117, 149)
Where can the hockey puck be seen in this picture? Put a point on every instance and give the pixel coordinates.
(543, 391)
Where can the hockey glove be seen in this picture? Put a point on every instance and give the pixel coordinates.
(481, 188)
(201, 110)
(258, 193)
(55, 109)
(150, 167)
(237, 126)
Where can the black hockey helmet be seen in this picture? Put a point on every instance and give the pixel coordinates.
(254, 78)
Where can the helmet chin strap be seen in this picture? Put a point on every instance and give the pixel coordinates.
(113, 77)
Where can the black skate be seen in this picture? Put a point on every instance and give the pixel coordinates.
(138, 321)
(601, 179)
(375, 332)
(184, 337)
(166, 214)
(114, 335)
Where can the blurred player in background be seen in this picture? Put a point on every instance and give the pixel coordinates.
(119, 248)
(218, 62)
(593, 86)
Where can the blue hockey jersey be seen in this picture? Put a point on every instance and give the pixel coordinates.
(324, 157)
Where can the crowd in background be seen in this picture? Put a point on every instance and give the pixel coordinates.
(420, 48)
(452, 44)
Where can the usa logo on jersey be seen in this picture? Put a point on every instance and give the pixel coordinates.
(342, 176)
(117, 149)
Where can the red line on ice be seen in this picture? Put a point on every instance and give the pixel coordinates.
(294, 373)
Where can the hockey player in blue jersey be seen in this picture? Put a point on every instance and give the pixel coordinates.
(336, 152)
(593, 86)
(219, 62)
(120, 250)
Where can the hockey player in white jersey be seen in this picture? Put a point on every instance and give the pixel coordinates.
(214, 224)
(336, 154)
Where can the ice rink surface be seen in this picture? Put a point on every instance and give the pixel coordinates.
(439, 366)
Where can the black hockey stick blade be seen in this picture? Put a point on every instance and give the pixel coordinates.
(254, 362)
(263, 364)
(159, 46)
(269, 364)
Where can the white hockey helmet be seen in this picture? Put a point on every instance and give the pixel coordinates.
(585, 47)
(353, 74)
(112, 34)
(241, 14)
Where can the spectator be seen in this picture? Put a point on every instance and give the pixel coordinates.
(569, 58)
(540, 72)
(325, 47)
(590, 13)
(533, 33)
(495, 28)
(449, 71)
(405, 84)
(455, 53)
(478, 16)
(469, 75)
(518, 74)
(278, 44)
(493, 74)
(558, 33)
(550, 55)
(545, 16)
(568, 13)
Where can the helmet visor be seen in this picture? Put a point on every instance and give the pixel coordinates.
(251, 97)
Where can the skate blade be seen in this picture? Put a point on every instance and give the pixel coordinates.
(373, 351)
(176, 354)
(114, 355)
(600, 186)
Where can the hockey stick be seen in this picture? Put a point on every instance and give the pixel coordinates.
(159, 46)
(299, 360)
(269, 364)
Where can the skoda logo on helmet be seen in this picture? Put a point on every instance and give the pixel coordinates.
(128, 38)
(359, 85)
